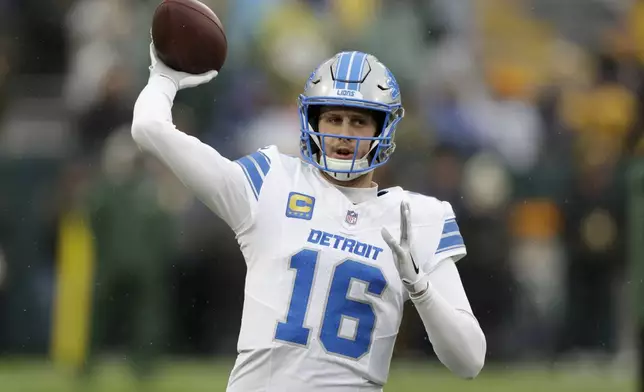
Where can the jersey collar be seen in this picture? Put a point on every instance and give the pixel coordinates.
(359, 195)
(355, 195)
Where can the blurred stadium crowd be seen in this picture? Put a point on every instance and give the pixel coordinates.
(524, 114)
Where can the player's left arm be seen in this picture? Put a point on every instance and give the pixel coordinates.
(439, 296)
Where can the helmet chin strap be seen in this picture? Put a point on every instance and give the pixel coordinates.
(339, 168)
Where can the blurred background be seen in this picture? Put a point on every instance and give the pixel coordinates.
(526, 115)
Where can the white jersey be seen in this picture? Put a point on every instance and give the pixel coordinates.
(323, 299)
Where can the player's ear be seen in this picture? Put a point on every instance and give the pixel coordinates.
(379, 120)
(314, 117)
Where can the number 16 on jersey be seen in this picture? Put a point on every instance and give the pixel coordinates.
(339, 306)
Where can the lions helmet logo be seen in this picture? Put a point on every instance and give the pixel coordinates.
(311, 79)
(394, 89)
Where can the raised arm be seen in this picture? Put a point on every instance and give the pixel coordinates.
(220, 183)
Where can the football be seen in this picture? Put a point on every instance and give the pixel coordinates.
(188, 36)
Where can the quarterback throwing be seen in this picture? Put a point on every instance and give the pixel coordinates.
(331, 259)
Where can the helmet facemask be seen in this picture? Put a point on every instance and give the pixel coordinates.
(313, 145)
(350, 80)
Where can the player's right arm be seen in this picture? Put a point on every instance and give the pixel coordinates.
(220, 183)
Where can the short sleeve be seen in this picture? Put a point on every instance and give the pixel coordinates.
(451, 242)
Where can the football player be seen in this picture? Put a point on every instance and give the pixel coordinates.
(331, 259)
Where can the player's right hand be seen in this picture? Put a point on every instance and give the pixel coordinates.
(180, 79)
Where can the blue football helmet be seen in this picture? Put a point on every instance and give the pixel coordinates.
(352, 80)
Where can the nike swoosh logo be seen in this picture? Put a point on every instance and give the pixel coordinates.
(414, 263)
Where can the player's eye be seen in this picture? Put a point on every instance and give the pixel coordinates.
(359, 122)
(336, 120)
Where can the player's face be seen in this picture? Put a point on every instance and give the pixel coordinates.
(346, 122)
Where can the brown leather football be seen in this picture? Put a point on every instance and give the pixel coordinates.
(188, 36)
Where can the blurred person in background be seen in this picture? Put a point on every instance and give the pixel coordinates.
(136, 241)
(99, 38)
(593, 227)
(485, 190)
(594, 217)
(293, 27)
(106, 113)
(636, 253)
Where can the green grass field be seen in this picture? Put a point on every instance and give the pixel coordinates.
(28, 376)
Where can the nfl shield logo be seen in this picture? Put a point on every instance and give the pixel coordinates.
(352, 217)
